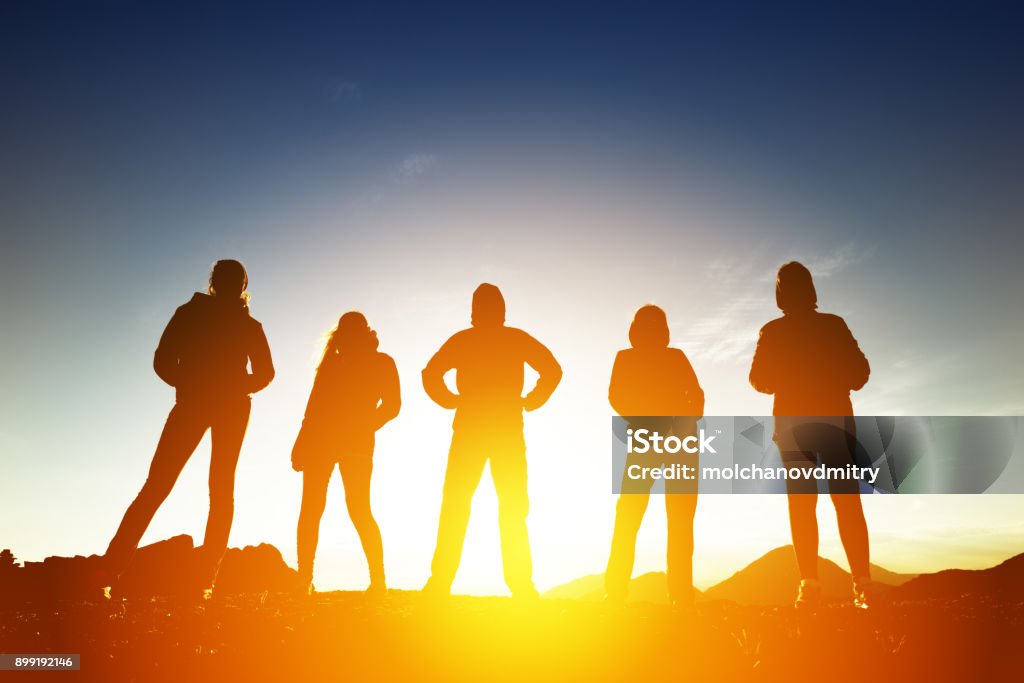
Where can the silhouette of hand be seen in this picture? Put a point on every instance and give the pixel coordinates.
(531, 402)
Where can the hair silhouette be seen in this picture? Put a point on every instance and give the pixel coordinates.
(229, 278)
(488, 306)
(649, 328)
(654, 386)
(811, 362)
(352, 334)
(204, 353)
(794, 289)
(488, 360)
(356, 392)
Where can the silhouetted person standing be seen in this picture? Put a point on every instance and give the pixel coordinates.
(205, 353)
(652, 379)
(355, 393)
(488, 359)
(811, 362)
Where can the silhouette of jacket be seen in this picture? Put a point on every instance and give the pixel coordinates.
(658, 381)
(811, 362)
(206, 348)
(354, 394)
(488, 361)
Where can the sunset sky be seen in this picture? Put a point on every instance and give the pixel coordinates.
(585, 162)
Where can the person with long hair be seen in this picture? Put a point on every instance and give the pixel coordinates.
(205, 353)
(355, 393)
(811, 362)
(654, 386)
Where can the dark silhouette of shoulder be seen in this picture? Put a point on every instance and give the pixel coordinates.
(208, 345)
(811, 361)
(658, 381)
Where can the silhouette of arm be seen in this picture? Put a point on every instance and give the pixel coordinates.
(301, 447)
(617, 387)
(316, 394)
(391, 395)
(762, 371)
(549, 372)
(856, 364)
(165, 360)
(262, 364)
(692, 391)
(433, 376)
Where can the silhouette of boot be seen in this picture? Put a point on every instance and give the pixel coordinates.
(809, 596)
(862, 592)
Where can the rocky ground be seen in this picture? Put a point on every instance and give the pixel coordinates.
(403, 636)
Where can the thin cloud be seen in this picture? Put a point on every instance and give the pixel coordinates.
(831, 263)
(416, 165)
(905, 388)
(409, 170)
(343, 92)
(729, 331)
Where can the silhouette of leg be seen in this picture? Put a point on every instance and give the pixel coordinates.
(227, 434)
(679, 510)
(182, 432)
(316, 477)
(629, 513)
(355, 475)
(803, 524)
(508, 470)
(466, 460)
(853, 531)
(802, 495)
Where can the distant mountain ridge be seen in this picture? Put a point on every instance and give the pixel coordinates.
(650, 587)
(771, 579)
(1003, 583)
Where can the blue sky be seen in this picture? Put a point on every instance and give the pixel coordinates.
(587, 160)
